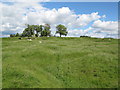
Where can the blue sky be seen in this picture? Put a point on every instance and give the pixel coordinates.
(95, 19)
(84, 0)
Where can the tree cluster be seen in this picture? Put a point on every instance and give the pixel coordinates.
(40, 31)
(15, 35)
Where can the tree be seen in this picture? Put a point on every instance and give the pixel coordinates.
(29, 31)
(38, 29)
(12, 35)
(61, 29)
(46, 31)
(17, 35)
(26, 33)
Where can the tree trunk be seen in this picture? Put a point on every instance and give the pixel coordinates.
(37, 34)
(60, 35)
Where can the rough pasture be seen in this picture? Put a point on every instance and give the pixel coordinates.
(60, 63)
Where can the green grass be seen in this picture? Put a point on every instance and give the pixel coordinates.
(59, 63)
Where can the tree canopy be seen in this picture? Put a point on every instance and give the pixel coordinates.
(37, 30)
(61, 29)
(46, 31)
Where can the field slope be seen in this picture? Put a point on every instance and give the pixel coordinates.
(60, 63)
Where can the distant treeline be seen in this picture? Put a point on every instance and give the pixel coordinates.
(40, 31)
(85, 36)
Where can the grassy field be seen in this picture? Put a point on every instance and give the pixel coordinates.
(60, 63)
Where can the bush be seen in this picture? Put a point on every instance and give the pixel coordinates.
(86, 36)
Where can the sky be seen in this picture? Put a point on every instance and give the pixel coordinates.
(84, 0)
(95, 19)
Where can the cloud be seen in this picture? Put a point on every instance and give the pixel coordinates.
(78, 33)
(13, 16)
(63, 15)
(85, 32)
(24, 1)
(106, 26)
(110, 28)
(100, 29)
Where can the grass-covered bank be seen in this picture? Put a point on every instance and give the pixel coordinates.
(60, 63)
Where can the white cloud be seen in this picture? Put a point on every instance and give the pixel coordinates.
(78, 33)
(109, 27)
(64, 16)
(104, 16)
(13, 16)
(24, 0)
(100, 29)
(106, 25)
(86, 32)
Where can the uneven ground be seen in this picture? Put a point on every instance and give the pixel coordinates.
(60, 63)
